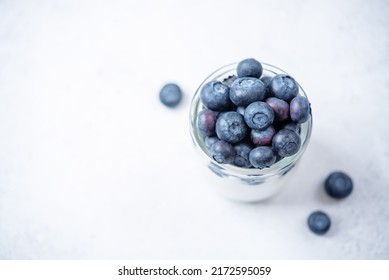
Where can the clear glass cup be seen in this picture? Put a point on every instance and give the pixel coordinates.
(246, 184)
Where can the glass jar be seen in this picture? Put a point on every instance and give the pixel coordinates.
(246, 184)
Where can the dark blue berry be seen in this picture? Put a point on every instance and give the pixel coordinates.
(244, 91)
(215, 96)
(206, 121)
(261, 157)
(280, 108)
(293, 126)
(283, 87)
(210, 140)
(266, 80)
(286, 142)
(231, 127)
(249, 68)
(242, 151)
(299, 109)
(222, 152)
(259, 115)
(319, 222)
(338, 185)
(262, 137)
(170, 95)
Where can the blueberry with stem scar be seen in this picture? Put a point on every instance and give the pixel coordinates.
(259, 115)
(222, 152)
(231, 127)
(244, 91)
(215, 96)
(242, 151)
(286, 142)
(283, 87)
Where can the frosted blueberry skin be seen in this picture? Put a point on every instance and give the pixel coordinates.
(299, 109)
(231, 127)
(283, 87)
(319, 222)
(170, 95)
(259, 115)
(338, 185)
(244, 91)
(262, 137)
(215, 96)
(280, 108)
(210, 140)
(222, 152)
(286, 142)
(242, 151)
(261, 157)
(249, 67)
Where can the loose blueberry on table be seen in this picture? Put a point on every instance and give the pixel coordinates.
(319, 222)
(338, 185)
(251, 120)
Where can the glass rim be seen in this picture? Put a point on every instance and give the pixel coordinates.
(283, 165)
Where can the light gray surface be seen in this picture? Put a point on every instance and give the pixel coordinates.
(92, 166)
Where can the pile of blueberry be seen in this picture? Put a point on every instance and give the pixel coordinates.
(251, 120)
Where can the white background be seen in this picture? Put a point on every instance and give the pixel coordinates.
(93, 166)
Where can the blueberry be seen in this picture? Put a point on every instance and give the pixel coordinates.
(215, 96)
(286, 142)
(299, 109)
(222, 152)
(241, 110)
(247, 90)
(266, 81)
(338, 185)
(229, 80)
(206, 121)
(242, 151)
(283, 87)
(262, 137)
(210, 140)
(319, 222)
(170, 95)
(280, 108)
(249, 68)
(259, 115)
(293, 126)
(261, 157)
(231, 127)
